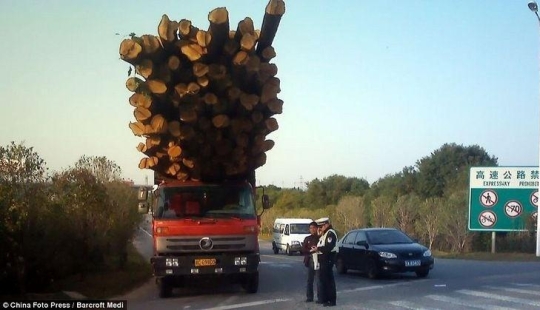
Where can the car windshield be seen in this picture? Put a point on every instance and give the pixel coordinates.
(299, 228)
(208, 201)
(387, 237)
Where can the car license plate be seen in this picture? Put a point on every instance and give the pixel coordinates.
(200, 262)
(412, 263)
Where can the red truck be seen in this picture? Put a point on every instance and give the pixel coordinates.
(204, 229)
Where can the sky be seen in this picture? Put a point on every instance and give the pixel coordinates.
(369, 87)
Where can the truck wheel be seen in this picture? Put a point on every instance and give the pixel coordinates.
(251, 283)
(275, 248)
(288, 250)
(165, 289)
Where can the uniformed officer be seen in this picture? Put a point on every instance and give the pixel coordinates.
(327, 246)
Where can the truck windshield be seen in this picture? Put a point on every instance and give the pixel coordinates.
(299, 228)
(209, 201)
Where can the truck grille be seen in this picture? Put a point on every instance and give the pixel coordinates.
(192, 244)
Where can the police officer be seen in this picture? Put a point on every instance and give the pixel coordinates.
(309, 249)
(327, 246)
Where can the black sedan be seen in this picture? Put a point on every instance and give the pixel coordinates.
(382, 250)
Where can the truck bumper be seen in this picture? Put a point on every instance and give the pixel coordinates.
(201, 265)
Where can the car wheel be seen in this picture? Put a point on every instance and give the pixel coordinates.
(288, 250)
(371, 269)
(275, 248)
(422, 273)
(165, 289)
(340, 266)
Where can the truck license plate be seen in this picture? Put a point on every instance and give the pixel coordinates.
(200, 262)
(412, 263)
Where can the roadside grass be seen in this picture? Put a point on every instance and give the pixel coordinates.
(488, 256)
(109, 284)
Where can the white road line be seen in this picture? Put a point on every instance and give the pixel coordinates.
(149, 234)
(514, 290)
(248, 304)
(409, 305)
(458, 302)
(499, 297)
(367, 288)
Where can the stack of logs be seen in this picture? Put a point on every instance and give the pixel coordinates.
(204, 100)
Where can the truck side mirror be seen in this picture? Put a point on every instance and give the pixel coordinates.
(142, 194)
(265, 202)
(143, 207)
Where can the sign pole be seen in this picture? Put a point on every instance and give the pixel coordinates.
(534, 8)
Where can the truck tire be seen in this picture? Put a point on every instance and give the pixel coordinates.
(251, 283)
(165, 289)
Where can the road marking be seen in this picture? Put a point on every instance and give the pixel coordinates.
(499, 297)
(281, 257)
(373, 287)
(458, 302)
(409, 305)
(149, 234)
(514, 290)
(248, 304)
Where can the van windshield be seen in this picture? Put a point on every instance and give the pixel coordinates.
(299, 228)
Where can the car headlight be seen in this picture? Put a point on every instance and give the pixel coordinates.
(427, 253)
(387, 255)
(295, 242)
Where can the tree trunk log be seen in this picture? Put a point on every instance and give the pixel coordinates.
(219, 31)
(274, 10)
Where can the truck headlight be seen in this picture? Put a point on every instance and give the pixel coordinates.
(295, 242)
(240, 261)
(171, 262)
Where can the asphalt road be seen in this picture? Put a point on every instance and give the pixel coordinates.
(452, 284)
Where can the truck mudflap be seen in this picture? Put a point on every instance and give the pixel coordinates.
(205, 264)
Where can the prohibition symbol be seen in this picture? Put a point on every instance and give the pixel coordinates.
(513, 208)
(534, 198)
(488, 198)
(487, 219)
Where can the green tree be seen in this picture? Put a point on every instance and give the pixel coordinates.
(406, 212)
(429, 224)
(382, 212)
(445, 164)
(22, 193)
(102, 168)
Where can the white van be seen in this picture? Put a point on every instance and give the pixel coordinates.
(289, 234)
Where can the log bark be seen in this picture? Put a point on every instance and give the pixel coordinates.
(187, 31)
(144, 68)
(268, 53)
(142, 114)
(157, 87)
(130, 50)
(245, 26)
(140, 100)
(274, 10)
(134, 83)
(218, 30)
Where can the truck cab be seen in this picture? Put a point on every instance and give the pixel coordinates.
(205, 230)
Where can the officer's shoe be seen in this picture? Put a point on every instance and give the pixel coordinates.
(319, 302)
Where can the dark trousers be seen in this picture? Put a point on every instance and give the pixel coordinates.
(312, 275)
(328, 284)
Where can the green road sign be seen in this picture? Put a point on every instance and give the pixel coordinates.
(503, 198)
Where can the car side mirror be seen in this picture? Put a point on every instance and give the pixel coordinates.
(265, 202)
(143, 207)
(142, 194)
